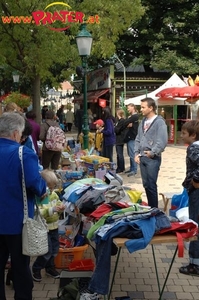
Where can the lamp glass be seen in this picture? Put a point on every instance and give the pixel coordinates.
(84, 41)
(15, 78)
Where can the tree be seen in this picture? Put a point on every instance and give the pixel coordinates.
(35, 51)
(165, 37)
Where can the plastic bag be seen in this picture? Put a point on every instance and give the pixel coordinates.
(135, 196)
(178, 201)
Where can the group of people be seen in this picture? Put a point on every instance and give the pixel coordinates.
(146, 140)
(16, 129)
(65, 120)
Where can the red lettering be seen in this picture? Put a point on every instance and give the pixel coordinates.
(72, 17)
(57, 17)
(48, 18)
(6, 19)
(41, 17)
(79, 16)
(64, 13)
(97, 19)
(90, 20)
(38, 16)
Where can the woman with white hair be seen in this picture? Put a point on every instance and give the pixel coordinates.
(11, 203)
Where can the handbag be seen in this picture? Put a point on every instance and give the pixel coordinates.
(35, 231)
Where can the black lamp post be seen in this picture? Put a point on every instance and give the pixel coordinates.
(15, 77)
(84, 42)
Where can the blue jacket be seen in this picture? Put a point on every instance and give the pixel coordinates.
(11, 199)
(109, 133)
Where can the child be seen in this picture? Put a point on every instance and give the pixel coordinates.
(99, 136)
(190, 136)
(50, 212)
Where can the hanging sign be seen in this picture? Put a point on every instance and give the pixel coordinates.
(102, 102)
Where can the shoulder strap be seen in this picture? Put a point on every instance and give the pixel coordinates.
(23, 185)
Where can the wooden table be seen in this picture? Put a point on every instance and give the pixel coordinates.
(158, 239)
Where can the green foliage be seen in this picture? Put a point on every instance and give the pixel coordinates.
(20, 99)
(166, 37)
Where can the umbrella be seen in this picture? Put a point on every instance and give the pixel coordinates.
(171, 92)
(189, 92)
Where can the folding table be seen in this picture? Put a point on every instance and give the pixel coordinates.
(158, 239)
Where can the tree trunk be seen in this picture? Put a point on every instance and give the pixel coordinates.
(36, 98)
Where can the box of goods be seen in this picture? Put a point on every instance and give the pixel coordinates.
(65, 159)
(95, 159)
(83, 278)
(67, 255)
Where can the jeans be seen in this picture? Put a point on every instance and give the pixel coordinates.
(131, 154)
(47, 261)
(120, 158)
(194, 215)
(140, 233)
(21, 275)
(149, 168)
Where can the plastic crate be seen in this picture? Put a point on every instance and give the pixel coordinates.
(68, 255)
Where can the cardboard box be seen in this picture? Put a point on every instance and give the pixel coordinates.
(95, 158)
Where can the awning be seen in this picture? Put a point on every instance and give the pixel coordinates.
(91, 96)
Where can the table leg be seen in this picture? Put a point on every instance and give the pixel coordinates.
(161, 291)
(114, 272)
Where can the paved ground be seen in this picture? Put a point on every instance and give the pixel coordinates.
(136, 275)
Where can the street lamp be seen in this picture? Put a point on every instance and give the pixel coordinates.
(15, 77)
(84, 42)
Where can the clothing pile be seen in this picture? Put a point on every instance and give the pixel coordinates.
(136, 223)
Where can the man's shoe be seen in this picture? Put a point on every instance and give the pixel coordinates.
(131, 174)
(36, 275)
(53, 273)
(126, 172)
(191, 269)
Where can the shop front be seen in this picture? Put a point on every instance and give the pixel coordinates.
(98, 91)
(175, 116)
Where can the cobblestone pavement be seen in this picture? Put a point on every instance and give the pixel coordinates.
(136, 274)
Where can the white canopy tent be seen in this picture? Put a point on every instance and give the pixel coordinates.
(173, 81)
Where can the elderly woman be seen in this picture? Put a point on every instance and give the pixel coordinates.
(11, 203)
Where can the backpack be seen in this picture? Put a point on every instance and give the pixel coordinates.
(55, 138)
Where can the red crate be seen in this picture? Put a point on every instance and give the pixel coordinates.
(82, 265)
